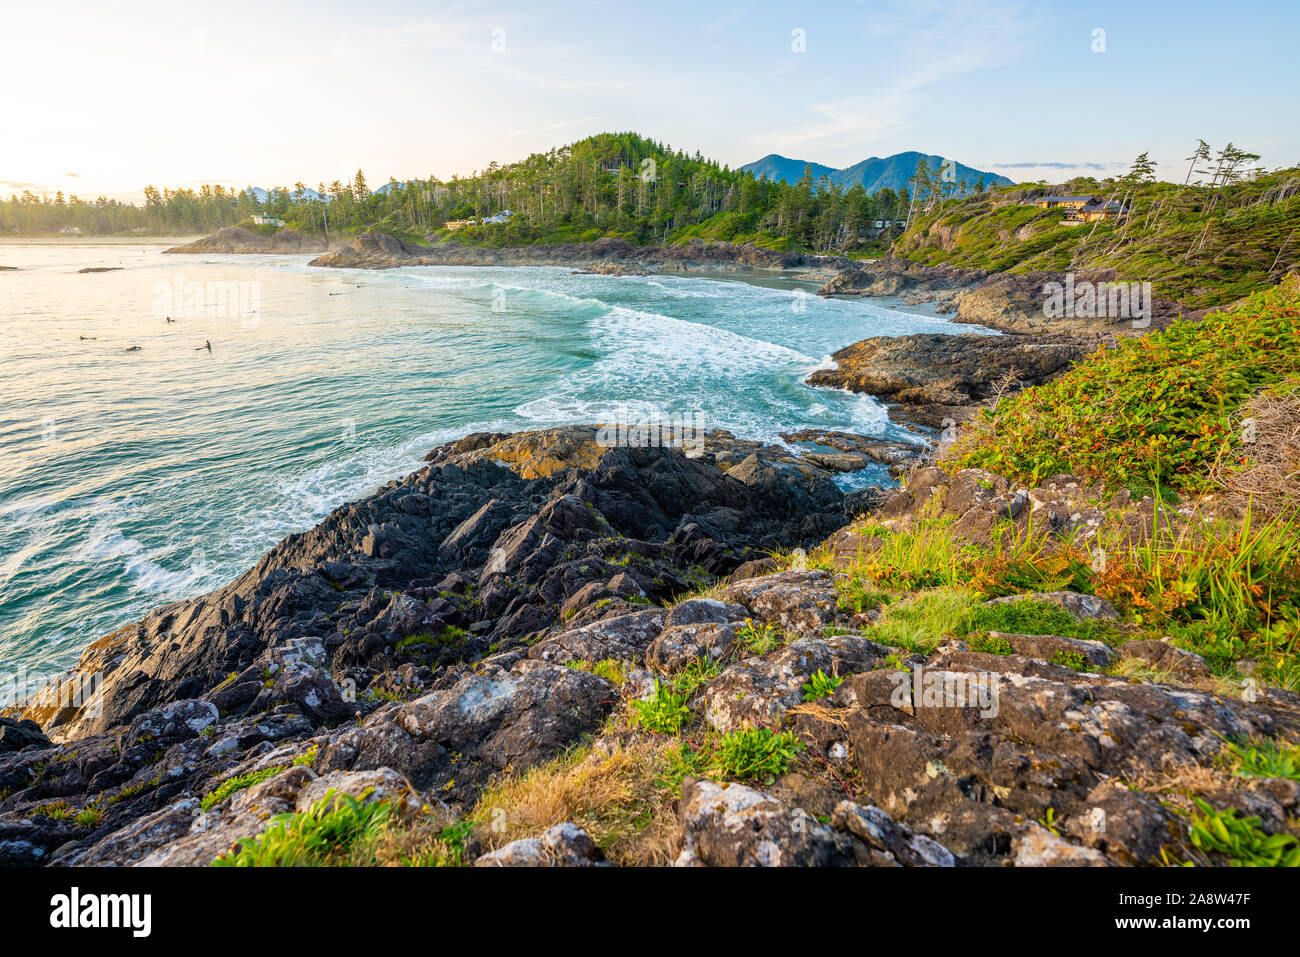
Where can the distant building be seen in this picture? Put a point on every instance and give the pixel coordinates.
(275, 221)
(455, 224)
(888, 223)
(1093, 212)
(501, 217)
(1081, 209)
(71, 230)
(1064, 202)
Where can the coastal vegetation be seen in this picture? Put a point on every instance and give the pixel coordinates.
(1157, 411)
(1227, 230)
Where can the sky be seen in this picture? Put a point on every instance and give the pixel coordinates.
(102, 99)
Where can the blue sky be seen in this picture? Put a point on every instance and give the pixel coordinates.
(104, 98)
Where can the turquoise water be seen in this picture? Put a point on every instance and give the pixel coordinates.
(132, 478)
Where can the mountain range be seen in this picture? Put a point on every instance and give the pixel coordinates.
(874, 174)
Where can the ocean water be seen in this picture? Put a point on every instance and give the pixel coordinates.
(134, 477)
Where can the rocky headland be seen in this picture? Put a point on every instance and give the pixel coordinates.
(519, 594)
(935, 380)
(236, 240)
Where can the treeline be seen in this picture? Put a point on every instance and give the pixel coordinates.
(611, 184)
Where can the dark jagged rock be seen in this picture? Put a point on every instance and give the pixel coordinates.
(519, 553)
(935, 380)
(17, 735)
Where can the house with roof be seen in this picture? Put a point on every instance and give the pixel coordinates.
(1081, 209)
(260, 220)
(1093, 212)
(1064, 202)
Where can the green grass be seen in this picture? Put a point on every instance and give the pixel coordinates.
(90, 815)
(238, 783)
(923, 622)
(332, 831)
(990, 644)
(611, 669)
(449, 637)
(1032, 617)
(760, 637)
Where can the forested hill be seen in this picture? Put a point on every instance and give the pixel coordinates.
(1226, 230)
(616, 184)
(1221, 234)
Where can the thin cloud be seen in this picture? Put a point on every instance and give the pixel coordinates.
(1055, 165)
(938, 43)
(553, 126)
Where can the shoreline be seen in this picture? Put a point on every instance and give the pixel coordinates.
(927, 381)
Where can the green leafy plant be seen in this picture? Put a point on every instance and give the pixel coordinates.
(760, 637)
(755, 754)
(1265, 759)
(664, 713)
(821, 685)
(1154, 413)
(1241, 840)
(90, 815)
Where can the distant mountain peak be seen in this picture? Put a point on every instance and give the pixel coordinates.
(874, 174)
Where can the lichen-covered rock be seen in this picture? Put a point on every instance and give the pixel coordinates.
(1128, 826)
(625, 637)
(800, 602)
(877, 829)
(1038, 847)
(678, 645)
(731, 825)
(1076, 604)
(173, 722)
(1166, 656)
(757, 690)
(1045, 647)
(511, 718)
(564, 845)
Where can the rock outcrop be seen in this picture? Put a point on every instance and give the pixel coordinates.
(375, 250)
(1010, 302)
(935, 380)
(235, 239)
